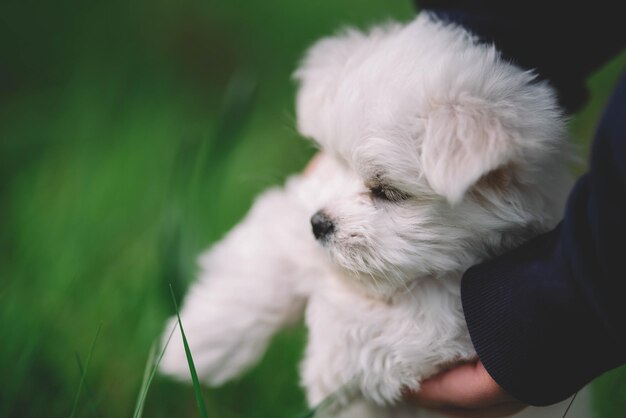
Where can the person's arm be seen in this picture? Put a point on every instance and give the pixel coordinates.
(547, 318)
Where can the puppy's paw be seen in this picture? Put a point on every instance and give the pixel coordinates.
(219, 355)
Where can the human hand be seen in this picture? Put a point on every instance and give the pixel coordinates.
(312, 164)
(466, 391)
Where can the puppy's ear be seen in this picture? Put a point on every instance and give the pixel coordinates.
(463, 141)
(318, 78)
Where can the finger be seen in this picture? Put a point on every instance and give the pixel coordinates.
(497, 411)
(468, 385)
(452, 386)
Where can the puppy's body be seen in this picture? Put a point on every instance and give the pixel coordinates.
(438, 155)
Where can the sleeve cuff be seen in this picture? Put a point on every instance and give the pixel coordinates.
(532, 330)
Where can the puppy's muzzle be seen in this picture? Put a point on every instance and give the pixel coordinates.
(322, 225)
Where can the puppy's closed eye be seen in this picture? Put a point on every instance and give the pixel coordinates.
(384, 192)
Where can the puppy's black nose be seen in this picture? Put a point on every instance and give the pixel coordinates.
(322, 225)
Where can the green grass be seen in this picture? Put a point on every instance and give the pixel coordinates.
(83, 370)
(148, 375)
(132, 136)
(197, 389)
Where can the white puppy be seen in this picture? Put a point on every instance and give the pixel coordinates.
(437, 156)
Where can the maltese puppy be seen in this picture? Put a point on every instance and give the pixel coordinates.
(437, 155)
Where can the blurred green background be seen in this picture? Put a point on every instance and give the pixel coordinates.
(132, 135)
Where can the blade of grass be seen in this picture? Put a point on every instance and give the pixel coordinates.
(237, 107)
(309, 414)
(570, 404)
(192, 367)
(144, 382)
(332, 405)
(84, 372)
(90, 393)
(143, 392)
(236, 111)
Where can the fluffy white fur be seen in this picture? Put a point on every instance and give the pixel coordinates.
(437, 155)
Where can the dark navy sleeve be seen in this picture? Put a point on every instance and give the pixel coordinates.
(547, 318)
(563, 42)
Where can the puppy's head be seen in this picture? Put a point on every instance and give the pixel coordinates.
(458, 154)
